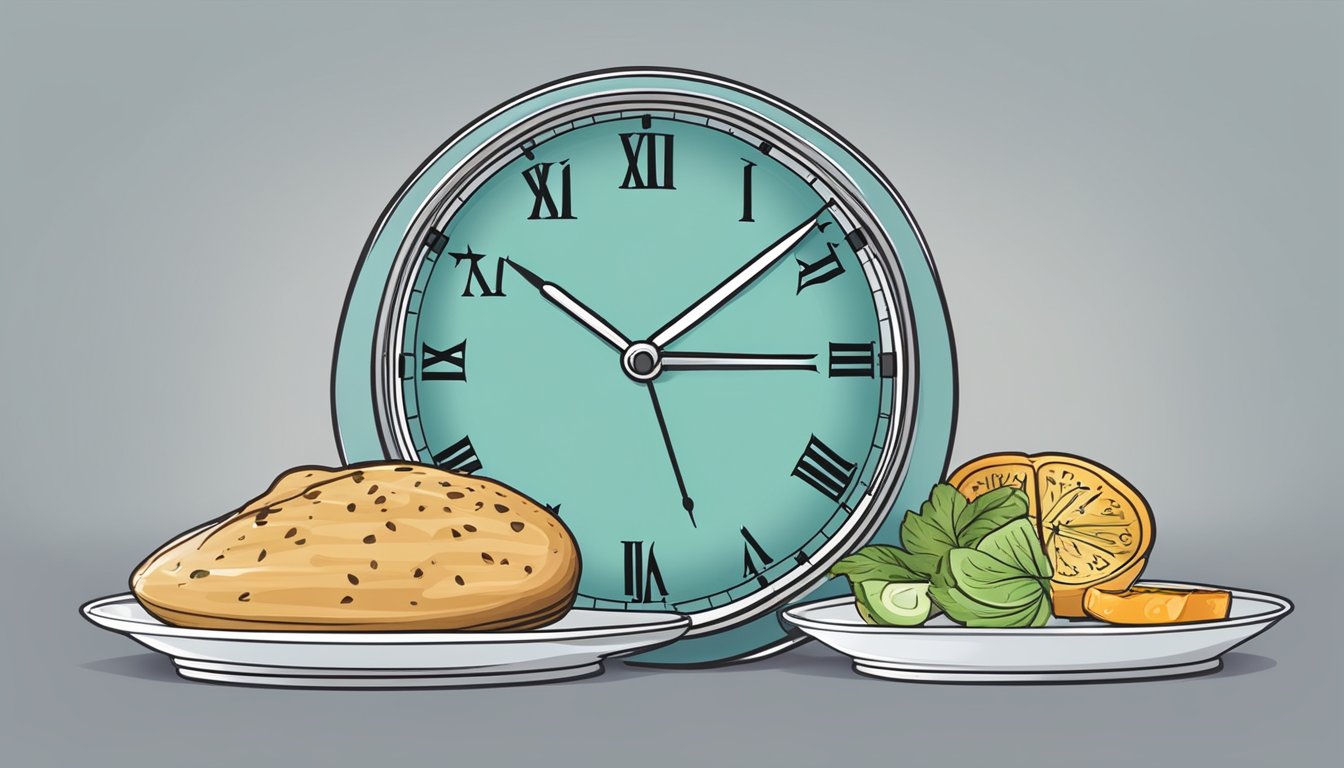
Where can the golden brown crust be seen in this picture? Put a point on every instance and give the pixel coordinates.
(373, 547)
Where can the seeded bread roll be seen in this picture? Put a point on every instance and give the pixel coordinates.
(366, 548)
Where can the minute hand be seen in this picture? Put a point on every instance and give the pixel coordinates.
(729, 288)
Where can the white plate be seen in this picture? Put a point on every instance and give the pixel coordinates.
(1065, 650)
(572, 647)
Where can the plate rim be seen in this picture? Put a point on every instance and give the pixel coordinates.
(1282, 606)
(657, 621)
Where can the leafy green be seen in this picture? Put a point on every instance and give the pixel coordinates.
(1003, 582)
(981, 559)
(946, 521)
(884, 563)
(893, 604)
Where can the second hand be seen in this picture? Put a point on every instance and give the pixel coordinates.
(686, 502)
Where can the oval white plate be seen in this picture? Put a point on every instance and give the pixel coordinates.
(1063, 651)
(572, 647)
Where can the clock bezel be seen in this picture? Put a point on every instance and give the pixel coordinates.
(930, 375)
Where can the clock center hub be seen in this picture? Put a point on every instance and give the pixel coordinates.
(642, 361)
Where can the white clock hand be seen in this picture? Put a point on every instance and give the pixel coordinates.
(728, 361)
(734, 284)
(573, 307)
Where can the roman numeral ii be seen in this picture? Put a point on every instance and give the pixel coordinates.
(826, 268)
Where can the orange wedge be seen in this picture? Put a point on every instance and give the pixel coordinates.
(1096, 529)
(1157, 605)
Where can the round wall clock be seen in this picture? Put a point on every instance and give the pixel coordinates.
(686, 316)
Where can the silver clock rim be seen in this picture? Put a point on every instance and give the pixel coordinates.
(882, 271)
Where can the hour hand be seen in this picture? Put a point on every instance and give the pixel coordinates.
(731, 361)
(573, 307)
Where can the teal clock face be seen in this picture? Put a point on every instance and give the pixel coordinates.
(670, 329)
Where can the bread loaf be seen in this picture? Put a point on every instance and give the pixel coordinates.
(364, 548)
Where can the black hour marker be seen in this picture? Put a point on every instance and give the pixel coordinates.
(648, 159)
(749, 567)
(765, 147)
(448, 364)
(642, 573)
(459, 457)
(887, 364)
(746, 190)
(826, 268)
(824, 469)
(475, 274)
(435, 241)
(857, 239)
(538, 179)
(852, 360)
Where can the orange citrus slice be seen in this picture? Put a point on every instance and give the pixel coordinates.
(1095, 528)
(1156, 605)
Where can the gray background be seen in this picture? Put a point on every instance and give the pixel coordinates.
(1136, 210)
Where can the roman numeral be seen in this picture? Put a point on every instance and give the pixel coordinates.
(852, 360)
(642, 573)
(459, 457)
(538, 180)
(824, 469)
(648, 160)
(746, 190)
(826, 268)
(749, 567)
(475, 275)
(449, 364)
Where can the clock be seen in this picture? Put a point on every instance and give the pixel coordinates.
(686, 316)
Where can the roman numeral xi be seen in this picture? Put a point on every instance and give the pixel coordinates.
(539, 180)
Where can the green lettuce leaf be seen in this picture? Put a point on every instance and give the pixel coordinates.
(946, 521)
(1003, 582)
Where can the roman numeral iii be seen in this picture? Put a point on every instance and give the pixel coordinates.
(824, 469)
(459, 457)
(648, 160)
(852, 360)
(642, 574)
(826, 268)
(539, 181)
(475, 275)
(443, 364)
